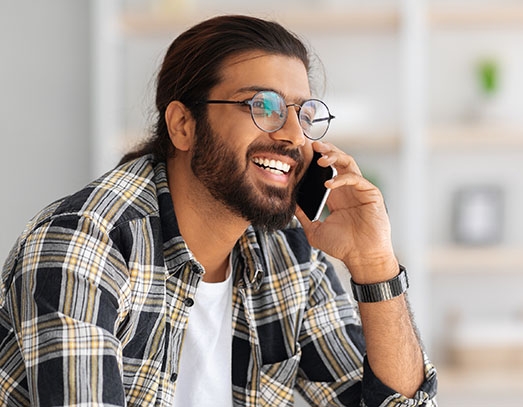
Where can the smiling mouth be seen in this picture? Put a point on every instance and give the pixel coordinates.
(274, 166)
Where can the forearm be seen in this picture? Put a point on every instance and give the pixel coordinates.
(393, 348)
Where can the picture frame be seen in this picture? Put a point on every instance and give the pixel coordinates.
(478, 215)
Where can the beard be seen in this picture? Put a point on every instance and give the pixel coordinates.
(218, 168)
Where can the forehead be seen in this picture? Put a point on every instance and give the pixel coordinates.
(255, 69)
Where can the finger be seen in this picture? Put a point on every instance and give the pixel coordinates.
(357, 184)
(331, 155)
(349, 179)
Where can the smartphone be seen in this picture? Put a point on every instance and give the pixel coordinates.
(312, 193)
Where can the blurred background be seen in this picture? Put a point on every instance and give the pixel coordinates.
(428, 97)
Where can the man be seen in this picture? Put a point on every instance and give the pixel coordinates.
(182, 277)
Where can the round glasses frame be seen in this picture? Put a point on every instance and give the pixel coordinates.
(282, 112)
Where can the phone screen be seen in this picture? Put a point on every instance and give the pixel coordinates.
(312, 193)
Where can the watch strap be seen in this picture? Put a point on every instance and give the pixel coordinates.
(383, 291)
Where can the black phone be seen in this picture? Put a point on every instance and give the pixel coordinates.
(312, 193)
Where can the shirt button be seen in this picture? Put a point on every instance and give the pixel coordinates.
(174, 376)
(189, 302)
(197, 270)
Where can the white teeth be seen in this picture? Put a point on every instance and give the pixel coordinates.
(274, 166)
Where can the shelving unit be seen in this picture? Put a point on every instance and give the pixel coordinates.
(414, 143)
(476, 283)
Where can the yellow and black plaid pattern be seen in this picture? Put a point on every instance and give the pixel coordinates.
(96, 294)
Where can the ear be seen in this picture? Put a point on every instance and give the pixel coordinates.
(180, 125)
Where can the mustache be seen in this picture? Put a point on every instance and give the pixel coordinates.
(279, 149)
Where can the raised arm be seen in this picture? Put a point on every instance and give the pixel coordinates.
(357, 231)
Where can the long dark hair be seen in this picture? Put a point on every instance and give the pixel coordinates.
(192, 65)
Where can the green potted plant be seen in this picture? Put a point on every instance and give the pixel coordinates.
(488, 83)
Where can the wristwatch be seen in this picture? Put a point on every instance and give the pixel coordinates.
(384, 291)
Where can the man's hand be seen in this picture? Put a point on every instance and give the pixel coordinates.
(357, 231)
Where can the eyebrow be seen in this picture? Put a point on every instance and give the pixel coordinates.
(262, 88)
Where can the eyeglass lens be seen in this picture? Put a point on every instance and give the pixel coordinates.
(269, 113)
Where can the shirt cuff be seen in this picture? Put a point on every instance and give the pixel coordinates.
(377, 394)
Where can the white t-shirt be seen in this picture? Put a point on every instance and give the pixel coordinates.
(204, 377)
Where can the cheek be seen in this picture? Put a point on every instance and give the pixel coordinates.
(308, 153)
(237, 135)
(231, 120)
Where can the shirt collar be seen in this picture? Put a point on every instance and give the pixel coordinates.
(246, 256)
(249, 252)
(176, 252)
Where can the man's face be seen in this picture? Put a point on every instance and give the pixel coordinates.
(253, 173)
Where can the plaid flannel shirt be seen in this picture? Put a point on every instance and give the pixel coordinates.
(96, 294)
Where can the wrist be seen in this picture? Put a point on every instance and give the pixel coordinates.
(375, 271)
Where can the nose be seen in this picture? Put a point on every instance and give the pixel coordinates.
(291, 132)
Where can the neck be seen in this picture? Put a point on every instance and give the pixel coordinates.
(209, 229)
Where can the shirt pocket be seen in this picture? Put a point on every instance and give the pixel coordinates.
(277, 382)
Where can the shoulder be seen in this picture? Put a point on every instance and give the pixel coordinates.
(122, 194)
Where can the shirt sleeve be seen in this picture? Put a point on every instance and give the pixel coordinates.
(66, 299)
(375, 393)
(333, 368)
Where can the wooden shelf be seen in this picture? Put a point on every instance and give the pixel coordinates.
(479, 381)
(451, 137)
(494, 14)
(475, 259)
(380, 141)
(154, 24)
(310, 20)
(345, 20)
(476, 136)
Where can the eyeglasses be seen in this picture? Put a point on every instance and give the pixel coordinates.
(269, 113)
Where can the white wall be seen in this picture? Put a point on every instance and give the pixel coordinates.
(44, 107)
